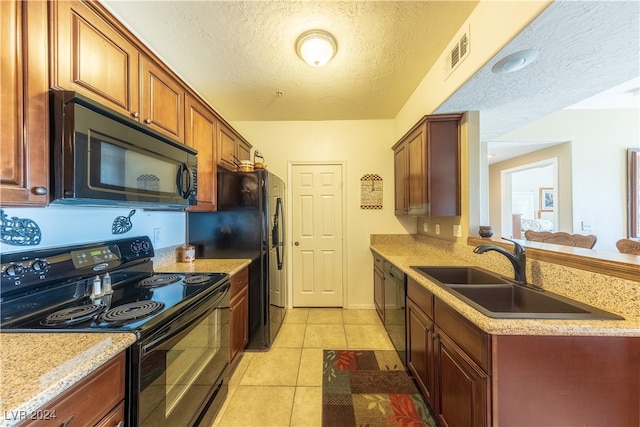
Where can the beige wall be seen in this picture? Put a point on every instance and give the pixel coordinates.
(365, 148)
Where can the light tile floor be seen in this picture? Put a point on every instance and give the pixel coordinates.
(283, 386)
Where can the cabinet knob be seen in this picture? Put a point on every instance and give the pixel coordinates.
(40, 191)
(147, 121)
(434, 336)
(135, 115)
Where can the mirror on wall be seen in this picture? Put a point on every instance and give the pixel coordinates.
(577, 104)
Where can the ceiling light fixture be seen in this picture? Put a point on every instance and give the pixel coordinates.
(316, 47)
(515, 61)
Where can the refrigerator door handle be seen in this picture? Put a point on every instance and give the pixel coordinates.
(278, 221)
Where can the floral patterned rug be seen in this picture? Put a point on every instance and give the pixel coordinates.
(370, 388)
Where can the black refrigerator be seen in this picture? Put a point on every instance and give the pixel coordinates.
(249, 224)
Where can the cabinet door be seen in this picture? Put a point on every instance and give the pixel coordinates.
(24, 113)
(420, 331)
(201, 135)
(417, 170)
(226, 147)
(93, 58)
(378, 292)
(401, 176)
(162, 103)
(244, 150)
(462, 387)
(443, 135)
(239, 313)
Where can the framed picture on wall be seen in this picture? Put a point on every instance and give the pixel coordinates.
(547, 199)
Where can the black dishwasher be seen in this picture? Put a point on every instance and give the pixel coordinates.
(395, 282)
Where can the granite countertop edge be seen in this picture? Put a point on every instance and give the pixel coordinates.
(32, 374)
(404, 257)
(217, 265)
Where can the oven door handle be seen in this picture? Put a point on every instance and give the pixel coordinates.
(172, 329)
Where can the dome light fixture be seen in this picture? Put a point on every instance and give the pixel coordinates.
(516, 61)
(316, 47)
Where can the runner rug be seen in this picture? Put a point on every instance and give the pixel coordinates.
(370, 388)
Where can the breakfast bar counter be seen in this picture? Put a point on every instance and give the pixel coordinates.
(405, 252)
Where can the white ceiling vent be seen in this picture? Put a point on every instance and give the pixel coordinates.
(458, 52)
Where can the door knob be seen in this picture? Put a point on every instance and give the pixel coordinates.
(297, 243)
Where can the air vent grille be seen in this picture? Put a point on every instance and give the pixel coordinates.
(458, 52)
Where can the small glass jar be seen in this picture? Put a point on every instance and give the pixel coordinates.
(486, 231)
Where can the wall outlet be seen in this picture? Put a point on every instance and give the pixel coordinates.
(157, 234)
(437, 228)
(457, 230)
(425, 226)
(586, 226)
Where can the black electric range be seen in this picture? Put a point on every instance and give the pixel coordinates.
(53, 289)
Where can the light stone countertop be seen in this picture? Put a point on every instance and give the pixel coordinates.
(36, 367)
(404, 254)
(229, 266)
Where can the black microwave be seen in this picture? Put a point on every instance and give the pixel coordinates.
(102, 158)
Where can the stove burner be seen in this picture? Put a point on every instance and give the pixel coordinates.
(71, 316)
(132, 311)
(198, 279)
(158, 280)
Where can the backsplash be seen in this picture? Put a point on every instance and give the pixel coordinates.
(69, 225)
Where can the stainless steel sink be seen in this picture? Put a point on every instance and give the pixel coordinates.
(498, 297)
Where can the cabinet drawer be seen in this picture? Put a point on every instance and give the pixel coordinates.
(378, 261)
(91, 399)
(421, 296)
(238, 282)
(115, 418)
(469, 337)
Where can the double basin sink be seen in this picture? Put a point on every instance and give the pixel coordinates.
(501, 298)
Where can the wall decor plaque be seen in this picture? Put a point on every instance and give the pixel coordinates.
(371, 191)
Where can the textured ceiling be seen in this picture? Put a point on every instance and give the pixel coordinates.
(238, 54)
(586, 47)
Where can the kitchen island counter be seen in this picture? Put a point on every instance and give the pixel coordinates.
(36, 367)
(407, 251)
(217, 265)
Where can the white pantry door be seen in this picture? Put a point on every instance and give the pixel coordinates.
(317, 235)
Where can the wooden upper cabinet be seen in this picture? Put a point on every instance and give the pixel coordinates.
(227, 141)
(401, 177)
(427, 167)
(244, 149)
(162, 103)
(200, 133)
(94, 59)
(24, 141)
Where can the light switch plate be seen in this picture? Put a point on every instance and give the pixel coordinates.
(425, 226)
(457, 231)
(437, 228)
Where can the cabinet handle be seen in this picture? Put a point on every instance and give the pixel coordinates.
(120, 424)
(135, 115)
(68, 421)
(40, 191)
(147, 121)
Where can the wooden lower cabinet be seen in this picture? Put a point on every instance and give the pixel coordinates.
(97, 400)
(378, 285)
(473, 379)
(462, 387)
(239, 313)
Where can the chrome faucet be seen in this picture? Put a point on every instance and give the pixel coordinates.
(518, 259)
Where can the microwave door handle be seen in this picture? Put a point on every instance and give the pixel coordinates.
(183, 177)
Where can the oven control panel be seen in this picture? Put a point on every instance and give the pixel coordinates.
(94, 257)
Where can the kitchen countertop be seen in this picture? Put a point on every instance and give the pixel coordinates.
(229, 266)
(36, 367)
(404, 255)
